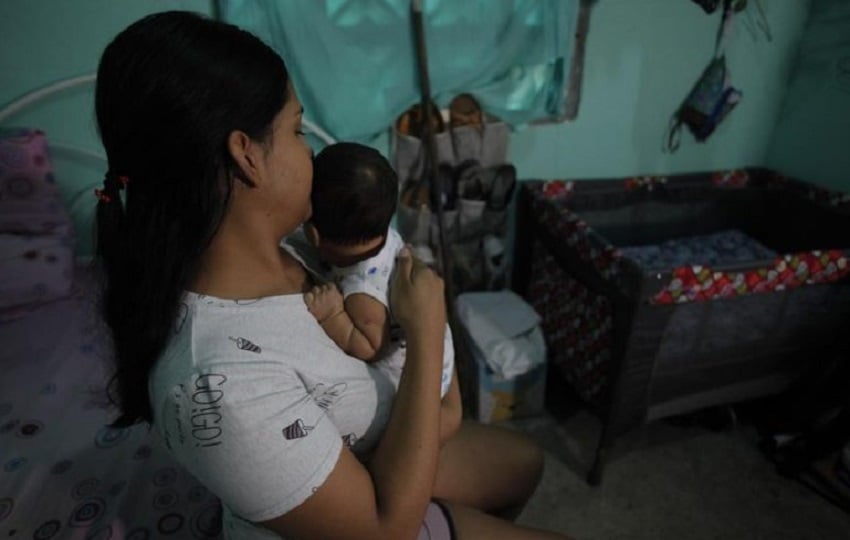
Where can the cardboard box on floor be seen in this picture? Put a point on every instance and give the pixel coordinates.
(509, 351)
(505, 399)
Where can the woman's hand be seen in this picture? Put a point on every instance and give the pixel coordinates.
(416, 298)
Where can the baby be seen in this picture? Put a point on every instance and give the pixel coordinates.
(354, 197)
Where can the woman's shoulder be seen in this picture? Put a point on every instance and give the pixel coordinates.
(212, 334)
(273, 334)
(297, 245)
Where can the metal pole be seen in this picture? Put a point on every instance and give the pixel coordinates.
(463, 359)
(429, 173)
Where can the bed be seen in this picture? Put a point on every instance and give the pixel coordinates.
(64, 473)
(662, 295)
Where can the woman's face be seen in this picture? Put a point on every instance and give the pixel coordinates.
(289, 165)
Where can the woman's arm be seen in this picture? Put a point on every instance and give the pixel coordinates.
(451, 410)
(389, 500)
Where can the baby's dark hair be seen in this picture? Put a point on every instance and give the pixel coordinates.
(355, 191)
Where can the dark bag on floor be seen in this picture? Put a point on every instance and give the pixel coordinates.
(809, 422)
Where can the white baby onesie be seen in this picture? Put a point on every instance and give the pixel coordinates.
(372, 277)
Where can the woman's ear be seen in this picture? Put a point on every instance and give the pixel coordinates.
(312, 234)
(246, 153)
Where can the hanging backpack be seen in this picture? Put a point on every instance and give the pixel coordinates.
(711, 98)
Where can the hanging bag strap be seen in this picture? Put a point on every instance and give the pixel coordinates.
(674, 135)
(725, 29)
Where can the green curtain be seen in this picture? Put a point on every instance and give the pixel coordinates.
(354, 62)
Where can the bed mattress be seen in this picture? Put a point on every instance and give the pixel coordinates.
(63, 472)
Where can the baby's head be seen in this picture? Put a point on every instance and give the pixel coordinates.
(355, 191)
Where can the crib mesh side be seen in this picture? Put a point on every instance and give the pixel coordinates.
(577, 324)
(685, 336)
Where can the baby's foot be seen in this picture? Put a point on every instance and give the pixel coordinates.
(323, 301)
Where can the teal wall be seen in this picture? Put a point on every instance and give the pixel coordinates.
(642, 59)
(812, 139)
(643, 56)
(44, 41)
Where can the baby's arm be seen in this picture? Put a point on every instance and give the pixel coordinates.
(358, 325)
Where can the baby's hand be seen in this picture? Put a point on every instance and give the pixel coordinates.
(324, 301)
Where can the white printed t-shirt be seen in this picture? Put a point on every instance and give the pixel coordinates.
(372, 277)
(255, 400)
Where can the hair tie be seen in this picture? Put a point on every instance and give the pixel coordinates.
(112, 184)
(115, 182)
(102, 196)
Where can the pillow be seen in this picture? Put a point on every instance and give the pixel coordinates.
(36, 236)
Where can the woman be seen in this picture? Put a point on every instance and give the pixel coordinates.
(214, 344)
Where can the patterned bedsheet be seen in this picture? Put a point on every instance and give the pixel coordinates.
(721, 248)
(63, 472)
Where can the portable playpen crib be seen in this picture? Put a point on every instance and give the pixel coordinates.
(663, 295)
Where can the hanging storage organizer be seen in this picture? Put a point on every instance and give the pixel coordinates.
(474, 186)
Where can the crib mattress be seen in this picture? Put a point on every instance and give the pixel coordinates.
(717, 249)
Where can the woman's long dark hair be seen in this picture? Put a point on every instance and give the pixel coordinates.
(170, 89)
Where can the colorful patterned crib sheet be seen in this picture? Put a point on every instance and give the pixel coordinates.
(63, 472)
